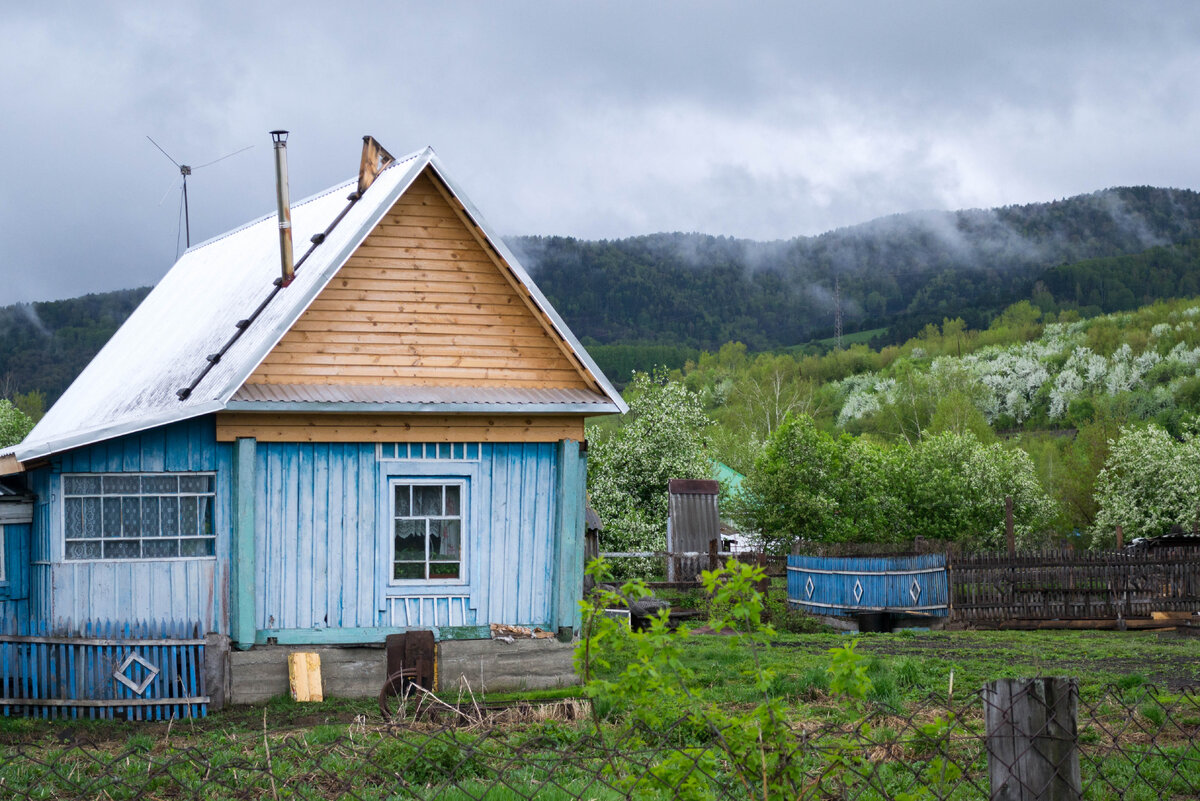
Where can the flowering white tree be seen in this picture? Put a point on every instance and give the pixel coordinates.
(1149, 483)
(661, 439)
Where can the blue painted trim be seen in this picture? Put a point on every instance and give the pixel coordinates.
(568, 536)
(369, 635)
(481, 408)
(473, 535)
(242, 545)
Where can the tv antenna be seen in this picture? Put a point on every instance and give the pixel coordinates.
(185, 170)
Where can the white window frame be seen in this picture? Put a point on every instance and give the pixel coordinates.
(464, 501)
(62, 515)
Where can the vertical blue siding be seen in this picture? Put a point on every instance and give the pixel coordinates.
(183, 590)
(323, 550)
(15, 589)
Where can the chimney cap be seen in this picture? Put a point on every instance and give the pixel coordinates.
(279, 136)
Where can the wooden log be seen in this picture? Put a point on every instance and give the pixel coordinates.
(1032, 741)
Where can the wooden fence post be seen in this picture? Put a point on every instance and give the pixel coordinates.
(1120, 538)
(713, 549)
(1032, 742)
(1008, 525)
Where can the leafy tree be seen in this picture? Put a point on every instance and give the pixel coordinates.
(1149, 483)
(14, 424)
(662, 438)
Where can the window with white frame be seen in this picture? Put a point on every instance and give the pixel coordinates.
(138, 515)
(427, 525)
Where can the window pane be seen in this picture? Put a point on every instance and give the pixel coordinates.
(170, 516)
(112, 517)
(409, 570)
(443, 450)
(206, 524)
(91, 518)
(427, 500)
(73, 517)
(131, 518)
(410, 540)
(83, 550)
(160, 485)
(443, 570)
(150, 526)
(187, 517)
(122, 549)
(195, 483)
(197, 547)
(81, 485)
(160, 549)
(445, 540)
(121, 485)
(453, 505)
(403, 507)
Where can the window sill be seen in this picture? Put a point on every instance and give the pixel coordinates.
(138, 561)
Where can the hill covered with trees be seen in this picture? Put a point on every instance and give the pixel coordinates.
(661, 299)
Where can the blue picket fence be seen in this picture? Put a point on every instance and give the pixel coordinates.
(832, 585)
(131, 671)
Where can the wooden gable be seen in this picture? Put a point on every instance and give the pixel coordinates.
(424, 301)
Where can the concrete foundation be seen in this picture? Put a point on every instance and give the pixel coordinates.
(498, 666)
(261, 673)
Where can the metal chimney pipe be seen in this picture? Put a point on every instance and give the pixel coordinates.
(285, 210)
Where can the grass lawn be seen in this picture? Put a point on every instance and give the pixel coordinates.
(339, 747)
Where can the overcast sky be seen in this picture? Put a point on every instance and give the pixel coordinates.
(599, 120)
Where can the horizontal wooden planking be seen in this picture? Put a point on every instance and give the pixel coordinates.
(448, 375)
(424, 349)
(373, 278)
(387, 299)
(397, 428)
(467, 316)
(314, 358)
(457, 314)
(366, 333)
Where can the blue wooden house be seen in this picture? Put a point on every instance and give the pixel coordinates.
(390, 439)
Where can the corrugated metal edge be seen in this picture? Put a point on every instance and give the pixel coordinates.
(409, 407)
(538, 298)
(78, 439)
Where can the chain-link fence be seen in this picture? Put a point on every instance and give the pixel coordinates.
(1016, 739)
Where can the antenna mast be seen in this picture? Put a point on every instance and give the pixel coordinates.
(186, 170)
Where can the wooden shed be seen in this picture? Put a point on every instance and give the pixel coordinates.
(392, 440)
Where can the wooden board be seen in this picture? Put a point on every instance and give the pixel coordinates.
(397, 427)
(425, 301)
(304, 675)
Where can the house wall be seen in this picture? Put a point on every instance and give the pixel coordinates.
(176, 590)
(323, 546)
(315, 565)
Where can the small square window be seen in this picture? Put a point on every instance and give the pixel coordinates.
(427, 524)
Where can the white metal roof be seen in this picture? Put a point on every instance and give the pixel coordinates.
(132, 383)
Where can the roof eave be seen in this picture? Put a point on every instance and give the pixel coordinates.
(80, 439)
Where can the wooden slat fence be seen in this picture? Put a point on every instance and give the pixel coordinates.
(831, 585)
(65, 671)
(1067, 585)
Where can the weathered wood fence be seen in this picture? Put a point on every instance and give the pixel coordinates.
(1066, 585)
(135, 671)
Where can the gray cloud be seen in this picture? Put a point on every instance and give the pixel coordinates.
(768, 120)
